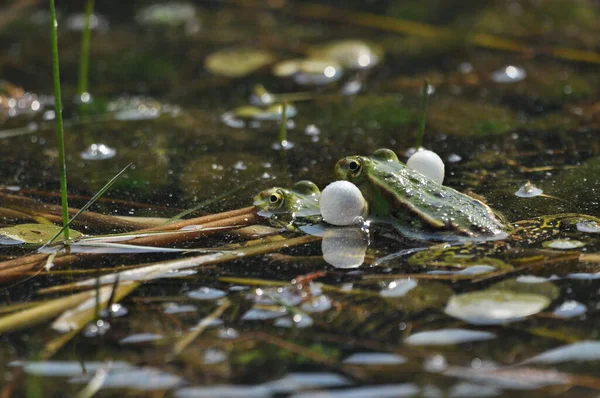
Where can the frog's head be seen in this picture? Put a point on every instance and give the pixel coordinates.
(354, 168)
(351, 168)
(303, 194)
(272, 200)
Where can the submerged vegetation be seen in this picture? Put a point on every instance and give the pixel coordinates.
(211, 264)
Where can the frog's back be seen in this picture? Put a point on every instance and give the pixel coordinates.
(432, 205)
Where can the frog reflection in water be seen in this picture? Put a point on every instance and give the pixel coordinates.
(286, 207)
(416, 205)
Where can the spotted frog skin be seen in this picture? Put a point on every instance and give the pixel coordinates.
(415, 204)
(286, 205)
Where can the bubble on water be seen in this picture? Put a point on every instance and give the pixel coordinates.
(116, 310)
(98, 152)
(509, 74)
(454, 158)
(97, 328)
(240, 165)
(435, 364)
(312, 130)
(285, 145)
(206, 293)
(228, 334)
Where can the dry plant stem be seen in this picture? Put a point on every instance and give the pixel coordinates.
(31, 265)
(188, 338)
(31, 206)
(14, 216)
(313, 356)
(20, 261)
(207, 229)
(390, 24)
(84, 318)
(15, 11)
(199, 261)
(221, 221)
(201, 220)
(41, 313)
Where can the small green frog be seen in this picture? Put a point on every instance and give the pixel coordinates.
(415, 204)
(285, 206)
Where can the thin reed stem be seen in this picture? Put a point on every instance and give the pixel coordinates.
(283, 127)
(84, 57)
(423, 115)
(59, 121)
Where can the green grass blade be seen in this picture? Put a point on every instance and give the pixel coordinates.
(59, 121)
(211, 201)
(97, 196)
(423, 115)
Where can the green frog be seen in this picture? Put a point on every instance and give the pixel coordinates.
(287, 206)
(416, 205)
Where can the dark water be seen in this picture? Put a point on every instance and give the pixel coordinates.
(499, 117)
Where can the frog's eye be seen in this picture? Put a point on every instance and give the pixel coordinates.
(355, 167)
(276, 200)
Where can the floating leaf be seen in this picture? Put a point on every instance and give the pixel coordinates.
(33, 233)
(528, 190)
(448, 337)
(353, 54)
(171, 13)
(374, 358)
(309, 71)
(237, 62)
(580, 351)
(514, 379)
(588, 226)
(530, 285)
(570, 309)
(563, 244)
(398, 288)
(490, 307)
